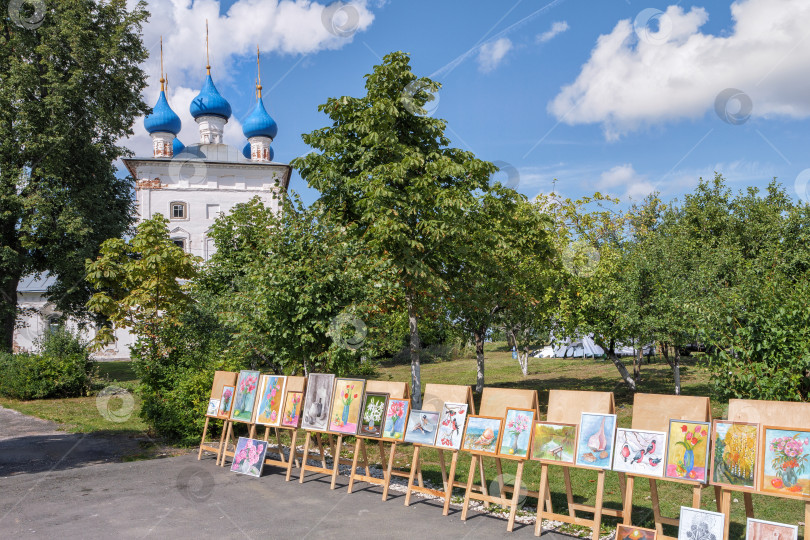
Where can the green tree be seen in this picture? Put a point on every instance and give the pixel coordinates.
(70, 88)
(141, 284)
(387, 170)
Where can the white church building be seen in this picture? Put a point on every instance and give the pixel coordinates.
(190, 185)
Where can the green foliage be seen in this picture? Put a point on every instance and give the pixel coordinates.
(69, 92)
(61, 368)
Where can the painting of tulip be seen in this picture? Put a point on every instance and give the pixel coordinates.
(758, 529)
(374, 407)
(315, 414)
(422, 427)
(597, 437)
(225, 402)
(517, 433)
(640, 452)
(244, 399)
(482, 435)
(395, 418)
(268, 408)
(785, 467)
(248, 458)
(213, 407)
(688, 450)
(451, 425)
(734, 454)
(345, 413)
(292, 410)
(628, 532)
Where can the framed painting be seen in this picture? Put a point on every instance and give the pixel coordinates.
(213, 408)
(451, 425)
(345, 415)
(318, 398)
(373, 414)
(628, 532)
(699, 524)
(640, 452)
(735, 446)
(244, 398)
(517, 433)
(395, 419)
(483, 434)
(757, 529)
(785, 470)
(271, 393)
(597, 433)
(291, 415)
(422, 427)
(554, 443)
(688, 451)
(225, 401)
(248, 458)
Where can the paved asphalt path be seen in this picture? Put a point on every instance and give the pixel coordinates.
(180, 497)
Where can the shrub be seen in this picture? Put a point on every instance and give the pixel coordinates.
(62, 368)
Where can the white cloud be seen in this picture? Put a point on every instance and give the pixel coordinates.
(556, 28)
(633, 80)
(491, 54)
(294, 27)
(624, 179)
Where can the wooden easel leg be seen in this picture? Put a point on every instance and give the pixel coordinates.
(515, 497)
(354, 463)
(443, 468)
(499, 468)
(304, 457)
(623, 490)
(293, 452)
(228, 438)
(806, 519)
(419, 472)
(383, 459)
(365, 458)
(320, 447)
(659, 527)
(202, 441)
(281, 457)
(718, 494)
(749, 506)
(697, 491)
(724, 507)
(470, 478)
(336, 467)
(600, 496)
(222, 440)
(484, 488)
(252, 432)
(627, 502)
(451, 479)
(388, 470)
(543, 499)
(569, 493)
(414, 466)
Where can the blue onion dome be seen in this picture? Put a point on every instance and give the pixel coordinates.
(210, 102)
(272, 154)
(177, 146)
(162, 118)
(246, 150)
(259, 123)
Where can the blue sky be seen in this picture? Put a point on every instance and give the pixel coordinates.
(615, 96)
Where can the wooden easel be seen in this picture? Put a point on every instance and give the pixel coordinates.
(230, 437)
(221, 379)
(435, 397)
(769, 413)
(652, 412)
(494, 402)
(566, 407)
(294, 384)
(395, 390)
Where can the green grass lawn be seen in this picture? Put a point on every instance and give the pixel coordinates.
(82, 415)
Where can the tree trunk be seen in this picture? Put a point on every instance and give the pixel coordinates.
(628, 380)
(8, 312)
(665, 353)
(523, 359)
(479, 355)
(676, 367)
(637, 364)
(415, 346)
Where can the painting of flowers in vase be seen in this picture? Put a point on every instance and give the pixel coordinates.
(734, 454)
(225, 402)
(244, 398)
(395, 418)
(517, 433)
(785, 468)
(451, 425)
(248, 458)
(346, 403)
(291, 417)
(596, 440)
(688, 450)
(373, 414)
(271, 391)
